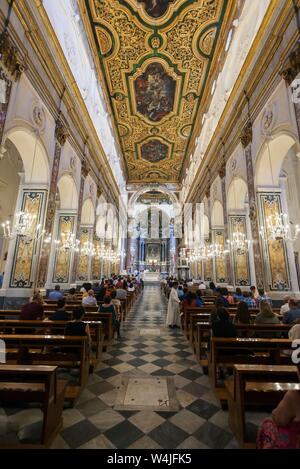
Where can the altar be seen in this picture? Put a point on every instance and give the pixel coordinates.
(151, 277)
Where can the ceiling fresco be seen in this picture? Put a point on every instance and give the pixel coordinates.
(155, 57)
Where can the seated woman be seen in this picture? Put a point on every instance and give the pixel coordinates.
(242, 317)
(282, 430)
(108, 307)
(223, 327)
(266, 316)
(77, 327)
(89, 300)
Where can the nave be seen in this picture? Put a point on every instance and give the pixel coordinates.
(141, 353)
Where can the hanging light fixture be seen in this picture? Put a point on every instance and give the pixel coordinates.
(24, 228)
(88, 249)
(68, 242)
(278, 225)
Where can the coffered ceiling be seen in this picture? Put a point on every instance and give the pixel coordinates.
(155, 60)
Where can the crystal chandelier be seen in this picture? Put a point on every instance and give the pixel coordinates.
(88, 249)
(239, 243)
(68, 242)
(278, 227)
(25, 227)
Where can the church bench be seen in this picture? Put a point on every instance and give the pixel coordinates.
(61, 351)
(21, 384)
(203, 332)
(16, 326)
(229, 352)
(203, 315)
(105, 318)
(256, 387)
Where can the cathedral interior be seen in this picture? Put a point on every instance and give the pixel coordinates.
(153, 147)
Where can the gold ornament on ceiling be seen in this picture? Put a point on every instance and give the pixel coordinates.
(155, 58)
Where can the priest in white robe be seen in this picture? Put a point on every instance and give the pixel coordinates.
(173, 315)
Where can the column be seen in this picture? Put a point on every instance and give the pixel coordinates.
(86, 237)
(61, 135)
(210, 263)
(289, 243)
(246, 139)
(61, 257)
(24, 246)
(10, 71)
(84, 173)
(222, 174)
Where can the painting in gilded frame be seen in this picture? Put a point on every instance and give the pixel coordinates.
(155, 92)
(155, 8)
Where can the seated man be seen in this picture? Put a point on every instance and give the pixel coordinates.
(293, 314)
(71, 296)
(90, 299)
(56, 294)
(33, 310)
(60, 314)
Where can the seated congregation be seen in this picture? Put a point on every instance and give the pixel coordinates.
(243, 341)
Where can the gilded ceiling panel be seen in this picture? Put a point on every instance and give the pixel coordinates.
(155, 57)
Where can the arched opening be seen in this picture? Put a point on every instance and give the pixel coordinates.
(237, 195)
(88, 213)
(68, 193)
(269, 161)
(24, 160)
(217, 215)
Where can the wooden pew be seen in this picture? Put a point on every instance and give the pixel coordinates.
(204, 329)
(105, 318)
(60, 351)
(16, 326)
(253, 387)
(229, 352)
(35, 384)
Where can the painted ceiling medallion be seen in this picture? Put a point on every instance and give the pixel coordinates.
(154, 151)
(155, 59)
(154, 93)
(156, 8)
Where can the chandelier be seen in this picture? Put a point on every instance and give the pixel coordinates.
(68, 242)
(25, 227)
(239, 242)
(88, 249)
(278, 227)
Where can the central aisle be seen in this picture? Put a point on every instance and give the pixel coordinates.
(200, 423)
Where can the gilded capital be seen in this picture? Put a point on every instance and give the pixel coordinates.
(247, 134)
(292, 67)
(61, 133)
(85, 169)
(9, 57)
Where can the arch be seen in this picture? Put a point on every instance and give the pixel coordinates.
(270, 158)
(88, 213)
(101, 206)
(237, 194)
(217, 214)
(33, 153)
(68, 193)
(205, 231)
(158, 188)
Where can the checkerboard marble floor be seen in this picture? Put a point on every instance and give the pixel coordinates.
(93, 422)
